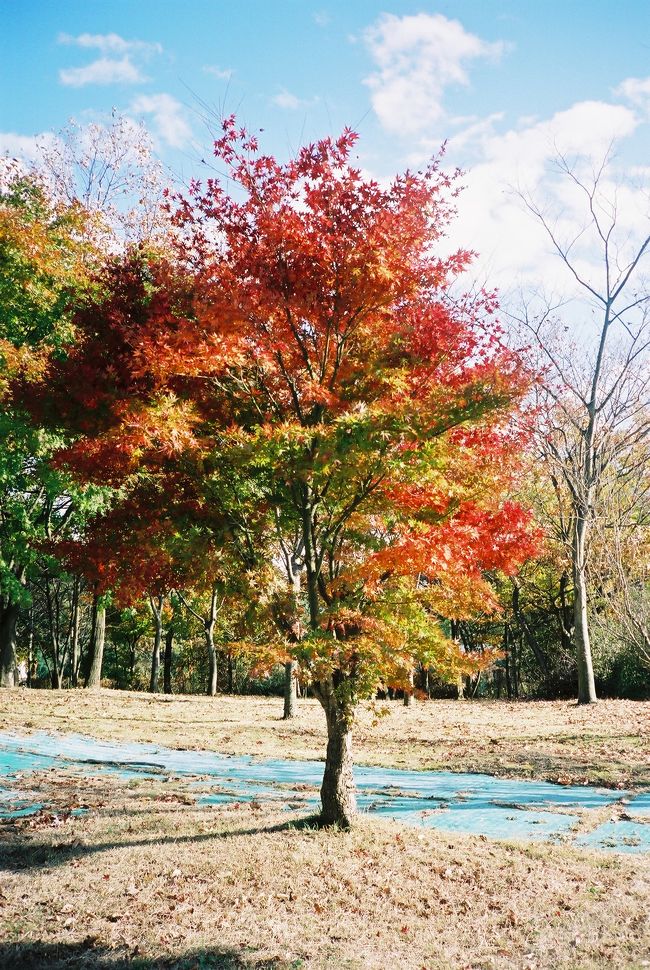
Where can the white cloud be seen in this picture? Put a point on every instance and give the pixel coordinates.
(492, 218)
(168, 116)
(292, 103)
(636, 90)
(115, 66)
(110, 44)
(26, 148)
(103, 71)
(224, 74)
(417, 58)
(322, 18)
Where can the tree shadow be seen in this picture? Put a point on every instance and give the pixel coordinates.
(18, 854)
(87, 955)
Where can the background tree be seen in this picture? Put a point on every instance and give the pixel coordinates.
(43, 271)
(594, 397)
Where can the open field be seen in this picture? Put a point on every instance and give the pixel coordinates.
(147, 879)
(608, 743)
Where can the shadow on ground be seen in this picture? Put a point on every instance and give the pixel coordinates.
(86, 956)
(18, 853)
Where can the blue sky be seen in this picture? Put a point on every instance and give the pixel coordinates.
(507, 83)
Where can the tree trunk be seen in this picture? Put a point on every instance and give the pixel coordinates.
(408, 693)
(156, 610)
(30, 649)
(506, 658)
(94, 677)
(8, 621)
(290, 703)
(76, 654)
(586, 684)
(337, 792)
(212, 660)
(167, 663)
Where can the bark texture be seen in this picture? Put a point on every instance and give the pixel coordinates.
(338, 798)
(290, 694)
(8, 620)
(94, 677)
(167, 663)
(586, 683)
(156, 611)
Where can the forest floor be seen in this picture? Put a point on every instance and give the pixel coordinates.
(148, 879)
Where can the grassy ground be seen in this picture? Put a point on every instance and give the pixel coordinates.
(608, 743)
(146, 879)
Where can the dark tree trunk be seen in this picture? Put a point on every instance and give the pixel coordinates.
(506, 658)
(30, 649)
(8, 620)
(290, 694)
(76, 654)
(156, 610)
(338, 800)
(98, 635)
(408, 692)
(167, 663)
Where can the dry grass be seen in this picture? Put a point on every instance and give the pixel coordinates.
(608, 743)
(146, 879)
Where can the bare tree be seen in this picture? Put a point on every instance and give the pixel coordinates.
(594, 390)
(110, 169)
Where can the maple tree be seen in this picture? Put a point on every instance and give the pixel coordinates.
(303, 370)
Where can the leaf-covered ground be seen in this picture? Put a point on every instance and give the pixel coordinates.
(608, 743)
(145, 878)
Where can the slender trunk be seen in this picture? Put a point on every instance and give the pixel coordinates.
(291, 667)
(506, 658)
(167, 663)
(156, 610)
(536, 650)
(8, 621)
(98, 635)
(76, 654)
(212, 660)
(30, 649)
(408, 693)
(57, 679)
(231, 675)
(337, 792)
(586, 684)
(290, 695)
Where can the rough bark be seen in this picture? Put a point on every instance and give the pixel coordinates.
(97, 645)
(290, 694)
(586, 683)
(338, 800)
(337, 792)
(8, 620)
(75, 649)
(156, 611)
(408, 693)
(167, 662)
